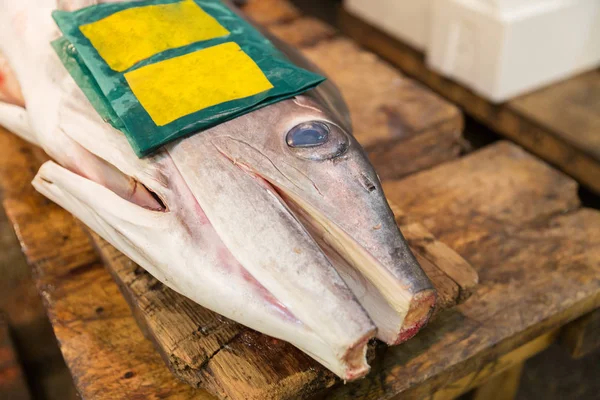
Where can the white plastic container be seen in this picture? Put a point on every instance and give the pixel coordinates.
(503, 48)
(408, 20)
(498, 48)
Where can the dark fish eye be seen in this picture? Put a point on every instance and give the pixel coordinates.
(308, 134)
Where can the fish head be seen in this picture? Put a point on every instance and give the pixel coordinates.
(275, 219)
(323, 176)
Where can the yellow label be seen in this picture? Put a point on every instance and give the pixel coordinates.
(179, 86)
(126, 37)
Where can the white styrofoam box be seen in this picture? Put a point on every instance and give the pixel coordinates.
(407, 20)
(502, 48)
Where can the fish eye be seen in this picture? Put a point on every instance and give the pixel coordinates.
(317, 140)
(308, 134)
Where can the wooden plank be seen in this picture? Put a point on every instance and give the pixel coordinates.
(302, 32)
(455, 267)
(462, 201)
(270, 12)
(559, 123)
(440, 352)
(29, 326)
(487, 380)
(582, 336)
(21, 302)
(207, 350)
(452, 276)
(100, 341)
(569, 110)
(507, 221)
(517, 221)
(282, 17)
(403, 126)
(454, 345)
(12, 380)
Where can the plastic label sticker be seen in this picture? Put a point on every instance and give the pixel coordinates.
(126, 37)
(159, 70)
(170, 89)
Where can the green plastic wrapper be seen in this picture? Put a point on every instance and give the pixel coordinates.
(159, 70)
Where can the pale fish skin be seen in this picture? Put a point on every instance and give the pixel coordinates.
(297, 243)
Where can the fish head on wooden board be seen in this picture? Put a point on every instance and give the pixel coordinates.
(275, 219)
(308, 162)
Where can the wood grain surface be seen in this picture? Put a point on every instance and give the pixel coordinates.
(559, 123)
(100, 340)
(569, 110)
(518, 222)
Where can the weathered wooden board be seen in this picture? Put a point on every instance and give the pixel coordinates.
(12, 381)
(511, 216)
(559, 123)
(191, 338)
(104, 348)
(569, 110)
(29, 326)
(270, 12)
(403, 127)
(503, 386)
(518, 222)
(496, 372)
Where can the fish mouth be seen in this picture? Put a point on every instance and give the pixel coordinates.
(355, 355)
(370, 277)
(398, 312)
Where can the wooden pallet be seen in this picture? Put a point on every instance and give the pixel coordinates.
(559, 123)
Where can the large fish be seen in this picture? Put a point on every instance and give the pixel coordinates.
(275, 219)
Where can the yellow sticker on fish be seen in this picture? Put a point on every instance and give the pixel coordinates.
(179, 86)
(126, 37)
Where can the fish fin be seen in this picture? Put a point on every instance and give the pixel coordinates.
(16, 120)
